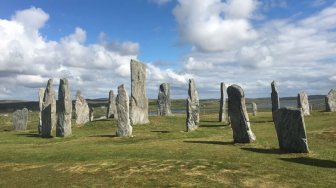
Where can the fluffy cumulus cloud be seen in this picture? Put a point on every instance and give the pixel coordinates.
(228, 46)
(28, 60)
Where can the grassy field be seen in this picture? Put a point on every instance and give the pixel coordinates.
(161, 154)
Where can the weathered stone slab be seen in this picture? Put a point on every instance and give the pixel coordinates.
(330, 101)
(291, 131)
(40, 96)
(192, 120)
(111, 108)
(275, 97)
(222, 117)
(254, 109)
(20, 119)
(124, 127)
(49, 118)
(64, 109)
(82, 110)
(302, 102)
(164, 100)
(91, 114)
(139, 101)
(240, 123)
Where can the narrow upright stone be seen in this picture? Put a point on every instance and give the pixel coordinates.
(192, 120)
(254, 109)
(164, 100)
(82, 110)
(124, 127)
(222, 103)
(64, 109)
(20, 119)
(291, 131)
(240, 123)
(40, 96)
(91, 113)
(274, 98)
(302, 102)
(111, 109)
(49, 118)
(330, 101)
(139, 101)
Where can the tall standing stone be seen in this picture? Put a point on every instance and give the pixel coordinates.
(240, 123)
(82, 110)
(64, 109)
(40, 96)
(330, 101)
(164, 100)
(302, 102)
(124, 127)
(222, 103)
(291, 131)
(274, 98)
(192, 120)
(111, 109)
(20, 119)
(139, 101)
(91, 114)
(49, 118)
(254, 109)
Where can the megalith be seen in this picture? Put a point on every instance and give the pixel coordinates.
(82, 109)
(192, 120)
(111, 108)
(254, 109)
(91, 113)
(274, 97)
(222, 103)
(330, 101)
(139, 101)
(64, 109)
(163, 101)
(20, 119)
(49, 118)
(124, 128)
(291, 131)
(40, 97)
(240, 123)
(302, 102)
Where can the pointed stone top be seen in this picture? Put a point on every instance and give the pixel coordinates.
(78, 93)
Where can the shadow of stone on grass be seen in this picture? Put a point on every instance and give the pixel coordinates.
(265, 151)
(160, 131)
(312, 162)
(28, 134)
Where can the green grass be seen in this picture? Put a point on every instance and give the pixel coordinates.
(161, 154)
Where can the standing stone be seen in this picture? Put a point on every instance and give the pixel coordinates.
(20, 119)
(139, 101)
(240, 123)
(164, 100)
(64, 109)
(40, 96)
(111, 109)
(222, 103)
(91, 113)
(302, 102)
(124, 127)
(291, 131)
(82, 110)
(274, 98)
(192, 120)
(49, 118)
(254, 109)
(330, 101)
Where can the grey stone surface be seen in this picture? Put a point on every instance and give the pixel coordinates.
(330, 101)
(82, 110)
(275, 97)
(163, 101)
(254, 109)
(291, 131)
(40, 97)
(139, 101)
(302, 102)
(64, 109)
(112, 108)
(124, 128)
(49, 118)
(91, 114)
(240, 123)
(192, 120)
(222, 117)
(20, 119)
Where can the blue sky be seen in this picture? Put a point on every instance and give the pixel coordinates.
(244, 42)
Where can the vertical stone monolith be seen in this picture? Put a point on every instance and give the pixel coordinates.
(240, 123)
(222, 103)
(91, 113)
(192, 120)
(330, 101)
(64, 109)
(111, 108)
(82, 110)
(49, 118)
(139, 101)
(254, 109)
(163, 101)
(302, 102)
(40, 97)
(124, 128)
(20, 119)
(274, 97)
